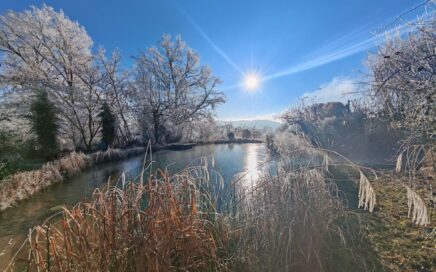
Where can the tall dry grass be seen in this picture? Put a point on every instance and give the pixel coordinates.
(284, 224)
(73, 163)
(297, 219)
(166, 225)
(417, 162)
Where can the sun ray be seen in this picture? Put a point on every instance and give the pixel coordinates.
(344, 51)
(211, 42)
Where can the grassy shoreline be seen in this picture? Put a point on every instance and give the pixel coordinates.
(23, 185)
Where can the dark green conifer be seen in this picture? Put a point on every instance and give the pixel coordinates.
(44, 123)
(108, 123)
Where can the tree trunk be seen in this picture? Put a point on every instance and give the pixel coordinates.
(156, 124)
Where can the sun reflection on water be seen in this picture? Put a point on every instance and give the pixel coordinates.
(251, 165)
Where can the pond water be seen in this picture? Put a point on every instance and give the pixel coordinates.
(243, 162)
(229, 160)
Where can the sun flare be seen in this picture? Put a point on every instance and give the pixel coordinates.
(251, 82)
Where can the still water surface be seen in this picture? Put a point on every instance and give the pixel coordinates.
(230, 160)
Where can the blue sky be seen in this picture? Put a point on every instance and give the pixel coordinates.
(299, 46)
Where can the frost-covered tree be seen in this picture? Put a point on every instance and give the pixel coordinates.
(42, 45)
(42, 48)
(204, 130)
(116, 84)
(172, 88)
(403, 86)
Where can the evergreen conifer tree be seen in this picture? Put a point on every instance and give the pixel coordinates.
(44, 123)
(108, 123)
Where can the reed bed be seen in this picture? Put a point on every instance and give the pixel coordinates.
(297, 219)
(23, 185)
(171, 224)
(110, 154)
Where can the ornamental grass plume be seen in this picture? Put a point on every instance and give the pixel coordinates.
(367, 197)
(417, 208)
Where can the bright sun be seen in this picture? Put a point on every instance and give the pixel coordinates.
(251, 82)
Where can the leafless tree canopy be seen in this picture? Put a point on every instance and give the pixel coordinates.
(167, 88)
(173, 87)
(403, 79)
